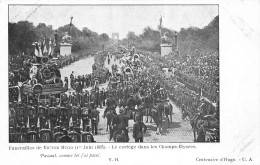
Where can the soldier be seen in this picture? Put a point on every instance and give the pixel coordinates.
(120, 122)
(21, 135)
(100, 98)
(70, 97)
(75, 113)
(139, 128)
(85, 116)
(87, 97)
(74, 135)
(66, 82)
(64, 116)
(104, 97)
(82, 99)
(131, 102)
(53, 117)
(65, 137)
(40, 114)
(58, 134)
(72, 80)
(64, 99)
(111, 105)
(45, 134)
(20, 113)
(32, 135)
(31, 114)
(96, 97)
(12, 135)
(12, 116)
(94, 116)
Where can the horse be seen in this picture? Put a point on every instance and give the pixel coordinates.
(120, 136)
(110, 116)
(155, 113)
(168, 112)
(199, 122)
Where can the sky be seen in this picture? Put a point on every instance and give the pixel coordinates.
(116, 18)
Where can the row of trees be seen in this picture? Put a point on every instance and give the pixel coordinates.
(189, 39)
(22, 34)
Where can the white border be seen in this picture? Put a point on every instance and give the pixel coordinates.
(239, 94)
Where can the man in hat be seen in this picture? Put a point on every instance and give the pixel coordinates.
(72, 80)
(74, 135)
(94, 116)
(32, 135)
(57, 134)
(139, 128)
(120, 123)
(131, 102)
(86, 136)
(45, 134)
(65, 138)
(12, 135)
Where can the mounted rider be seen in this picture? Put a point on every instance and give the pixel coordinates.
(119, 124)
(111, 105)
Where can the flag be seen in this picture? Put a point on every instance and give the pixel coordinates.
(71, 21)
(49, 123)
(81, 124)
(19, 96)
(28, 123)
(45, 52)
(40, 49)
(160, 22)
(38, 122)
(36, 50)
(50, 47)
(71, 122)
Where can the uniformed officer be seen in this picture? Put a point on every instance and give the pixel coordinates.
(86, 136)
(58, 134)
(12, 135)
(74, 135)
(120, 122)
(94, 116)
(139, 128)
(45, 134)
(65, 137)
(32, 135)
(72, 80)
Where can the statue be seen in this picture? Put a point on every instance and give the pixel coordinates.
(165, 39)
(66, 38)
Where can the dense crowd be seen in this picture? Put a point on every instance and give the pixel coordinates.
(203, 66)
(72, 115)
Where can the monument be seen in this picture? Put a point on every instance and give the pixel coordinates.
(65, 45)
(115, 36)
(167, 45)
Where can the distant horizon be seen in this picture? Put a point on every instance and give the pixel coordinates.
(107, 18)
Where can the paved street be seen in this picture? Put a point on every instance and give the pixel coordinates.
(179, 131)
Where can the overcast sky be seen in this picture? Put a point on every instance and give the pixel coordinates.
(121, 19)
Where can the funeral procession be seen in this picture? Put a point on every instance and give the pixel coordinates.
(141, 77)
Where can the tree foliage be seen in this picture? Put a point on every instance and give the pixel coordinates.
(22, 35)
(189, 39)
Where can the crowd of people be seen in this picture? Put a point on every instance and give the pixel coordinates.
(73, 115)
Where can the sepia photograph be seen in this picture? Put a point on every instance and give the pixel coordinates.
(90, 74)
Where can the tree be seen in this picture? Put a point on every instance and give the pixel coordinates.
(21, 36)
(103, 37)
